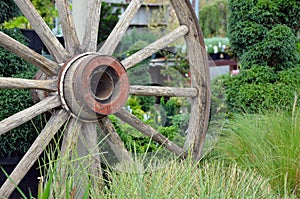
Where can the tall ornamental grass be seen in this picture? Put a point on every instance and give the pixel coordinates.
(188, 180)
(170, 179)
(268, 144)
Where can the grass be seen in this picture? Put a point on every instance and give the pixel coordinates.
(189, 180)
(257, 156)
(268, 144)
(176, 179)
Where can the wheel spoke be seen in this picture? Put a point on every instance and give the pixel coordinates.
(36, 21)
(114, 140)
(70, 37)
(89, 138)
(43, 139)
(155, 46)
(163, 91)
(47, 66)
(92, 23)
(150, 132)
(18, 83)
(116, 35)
(70, 136)
(28, 114)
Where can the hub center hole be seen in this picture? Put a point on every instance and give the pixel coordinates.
(102, 83)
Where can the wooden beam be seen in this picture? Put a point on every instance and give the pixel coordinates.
(90, 37)
(47, 66)
(33, 153)
(70, 37)
(41, 28)
(70, 136)
(150, 132)
(114, 141)
(163, 91)
(29, 113)
(155, 46)
(18, 83)
(89, 138)
(116, 35)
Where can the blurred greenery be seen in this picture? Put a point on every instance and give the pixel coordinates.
(213, 18)
(8, 10)
(18, 140)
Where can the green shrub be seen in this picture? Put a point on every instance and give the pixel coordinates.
(290, 13)
(267, 144)
(165, 118)
(260, 88)
(8, 10)
(278, 50)
(10, 64)
(18, 140)
(263, 32)
(46, 9)
(240, 41)
(109, 18)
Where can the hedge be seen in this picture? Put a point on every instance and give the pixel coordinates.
(17, 141)
(260, 89)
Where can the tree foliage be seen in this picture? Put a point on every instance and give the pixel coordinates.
(213, 18)
(8, 10)
(109, 18)
(264, 32)
(46, 8)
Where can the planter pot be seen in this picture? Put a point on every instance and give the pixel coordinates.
(34, 41)
(29, 184)
(60, 39)
(217, 56)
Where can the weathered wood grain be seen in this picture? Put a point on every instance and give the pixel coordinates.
(18, 83)
(114, 141)
(70, 136)
(150, 132)
(116, 35)
(39, 25)
(155, 46)
(92, 23)
(70, 37)
(198, 62)
(89, 137)
(38, 146)
(47, 66)
(28, 114)
(163, 91)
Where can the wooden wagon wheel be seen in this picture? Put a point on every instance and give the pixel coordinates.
(89, 85)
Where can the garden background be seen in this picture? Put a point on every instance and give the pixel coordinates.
(253, 144)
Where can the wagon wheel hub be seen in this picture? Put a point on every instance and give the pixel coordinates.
(93, 85)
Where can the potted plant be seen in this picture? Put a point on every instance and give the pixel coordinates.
(217, 48)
